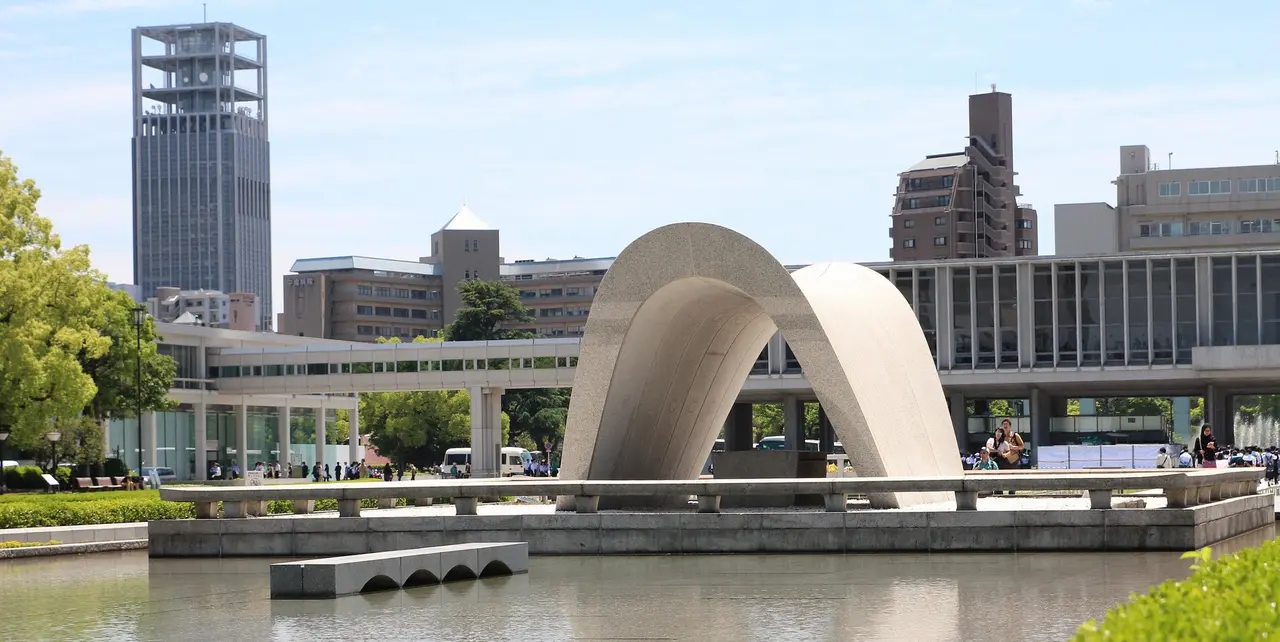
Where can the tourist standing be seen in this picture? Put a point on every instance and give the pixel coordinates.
(1207, 447)
(985, 462)
(997, 446)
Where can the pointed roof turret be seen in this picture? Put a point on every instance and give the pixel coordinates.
(465, 219)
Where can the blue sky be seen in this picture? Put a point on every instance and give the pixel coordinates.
(575, 126)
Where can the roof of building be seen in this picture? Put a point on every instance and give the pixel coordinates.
(941, 161)
(465, 219)
(186, 318)
(329, 263)
(553, 266)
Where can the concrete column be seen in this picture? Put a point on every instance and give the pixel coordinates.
(149, 436)
(284, 434)
(106, 438)
(826, 433)
(1218, 412)
(242, 436)
(1182, 432)
(201, 411)
(738, 433)
(322, 418)
(353, 434)
(959, 419)
(1042, 409)
(793, 423)
(486, 432)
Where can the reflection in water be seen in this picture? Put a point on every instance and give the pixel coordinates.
(121, 596)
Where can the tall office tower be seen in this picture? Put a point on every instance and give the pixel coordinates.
(964, 204)
(201, 161)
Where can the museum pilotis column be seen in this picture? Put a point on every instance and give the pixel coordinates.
(486, 432)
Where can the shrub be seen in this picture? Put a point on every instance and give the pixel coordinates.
(1231, 598)
(24, 478)
(115, 468)
(16, 544)
(36, 514)
(63, 475)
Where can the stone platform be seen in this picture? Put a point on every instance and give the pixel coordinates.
(999, 524)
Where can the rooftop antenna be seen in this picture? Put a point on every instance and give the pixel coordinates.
(205, 8)
(1278, 157)
(1170, 161)
(993, 88)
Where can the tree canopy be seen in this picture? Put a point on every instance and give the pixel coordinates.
(489, 305)
(66, 339)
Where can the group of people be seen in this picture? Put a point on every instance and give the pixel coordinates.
(1206, 453)
(1004, 450)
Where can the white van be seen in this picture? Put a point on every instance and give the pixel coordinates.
(778, 442)
(512, 461)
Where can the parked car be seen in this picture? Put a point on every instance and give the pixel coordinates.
(166, 474)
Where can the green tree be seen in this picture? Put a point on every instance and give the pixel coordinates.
(537, 415)
(489, 307)
(115, 371)
(1252, 409)
(766, 420)
(50, 300)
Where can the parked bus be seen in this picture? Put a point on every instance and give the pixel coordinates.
(778, 442)
(512, 461)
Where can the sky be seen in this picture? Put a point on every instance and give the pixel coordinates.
(575, 127)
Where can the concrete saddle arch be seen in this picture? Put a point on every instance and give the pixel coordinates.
(677, 324)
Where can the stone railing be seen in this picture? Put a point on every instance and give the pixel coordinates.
(1183, 488)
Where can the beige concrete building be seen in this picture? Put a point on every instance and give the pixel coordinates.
(964, 204)
(1161, 210)
(358, 298)
(208, 308)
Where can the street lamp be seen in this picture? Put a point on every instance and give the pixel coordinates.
(53, 436)
(4, 436)
(139, 319)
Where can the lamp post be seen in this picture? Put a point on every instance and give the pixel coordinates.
(53, 436)
(4, 436)
(139, 319)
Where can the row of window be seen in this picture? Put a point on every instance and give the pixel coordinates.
(574, 311)
(1204, 188)
(938, 241)
(1208, 228)
(579, 274)
(1023, 223)
(394, 331)
(928, 201)
(928, 183)
(387, 292)
(470, 245)
(400, 313)
(556, 292)
(378, 367)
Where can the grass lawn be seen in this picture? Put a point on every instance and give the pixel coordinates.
(65, 497)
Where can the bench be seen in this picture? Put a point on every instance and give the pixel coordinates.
(85, 483)
(350, 574)
(107, 483)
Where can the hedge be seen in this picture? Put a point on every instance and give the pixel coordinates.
(28, 477)
(37, 514)
(15, 544)
(1231, 598)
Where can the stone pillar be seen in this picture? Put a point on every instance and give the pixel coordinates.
(793, 423)
(242, 436)
(284, 434)
(106, 438)
(1218, 412)
(826, 432)
(1042, 409)
(959, 419)
(149, 436)
(201, 411)
(738, 432)
(322, 418)
(353, 433)
(486, 432)
(1182, 432)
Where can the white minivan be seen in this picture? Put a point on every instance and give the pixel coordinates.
(512, 461)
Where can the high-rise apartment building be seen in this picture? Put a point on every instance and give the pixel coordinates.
(358, 298)
(201, 161)
(964, 204)
(1162, 210)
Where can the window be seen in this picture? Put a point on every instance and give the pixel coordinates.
(1219, 227)
(364, 290)
(364, 309)
(381, 291)
(1147, 230)
(419, 314)
(1260, 226)
(420, 294)
(1023, 223)
(467, 275)
(939, 220)
(1201, 188)
(382, 311)
(402, 293)
(933, 182)
(1024, 244)
(908, 223)
(909, 243)
(939, 240)
(1171, 189)
(364, 330)
(1255, 185)
(402, 313)
(929, 201)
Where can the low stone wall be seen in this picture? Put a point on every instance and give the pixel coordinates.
(77, 534)
(1171, 529)
(73, 549)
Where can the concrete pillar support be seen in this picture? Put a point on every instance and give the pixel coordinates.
(793, 423)
(242, 437)
(201, 411)
(353, 434)
(284, 434)
(738, 432)
(826, 432)
(959, 419)
(1042, 408)
(1217, 412)
(1182, 431)
(151, 455)
(322, 419)
(486, 432)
